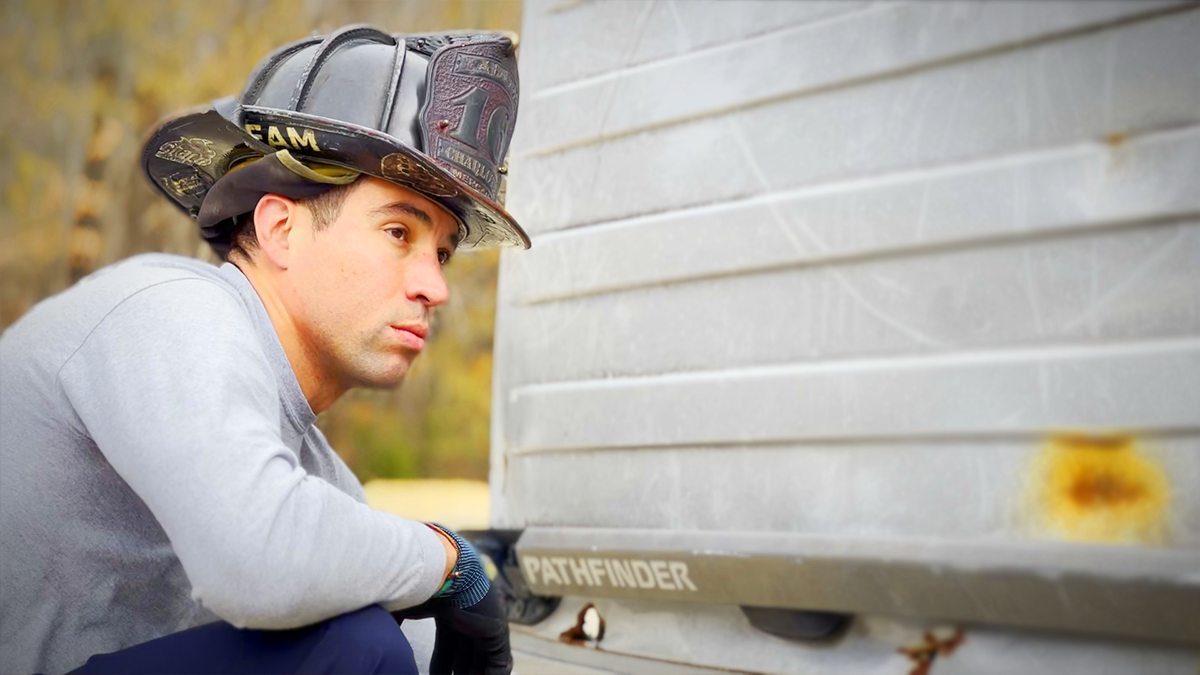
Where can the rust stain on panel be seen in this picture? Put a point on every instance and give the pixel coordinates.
(1099, 488)
(931, 647)
(1117, 139)
(1119, 150)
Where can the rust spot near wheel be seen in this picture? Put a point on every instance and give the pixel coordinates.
(1099, 488)
(931, 647)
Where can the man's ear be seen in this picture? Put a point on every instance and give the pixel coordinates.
(274, 218)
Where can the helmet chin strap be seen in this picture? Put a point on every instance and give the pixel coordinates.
(317, 172)
(331, 174)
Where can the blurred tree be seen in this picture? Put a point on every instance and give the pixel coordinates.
(84, 80)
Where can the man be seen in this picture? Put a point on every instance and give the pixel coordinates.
(166, 504)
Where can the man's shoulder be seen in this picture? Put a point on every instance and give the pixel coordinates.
(117, 283)
(140, 272)
(158, 284)
(162, 284)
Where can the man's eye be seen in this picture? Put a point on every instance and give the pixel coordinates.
(398, 232)
(443, 256)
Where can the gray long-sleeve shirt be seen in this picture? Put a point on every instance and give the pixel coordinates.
(159, 469)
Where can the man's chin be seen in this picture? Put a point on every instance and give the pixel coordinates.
(382, 380)
(383, 367)
(380, 383)
(387, 376)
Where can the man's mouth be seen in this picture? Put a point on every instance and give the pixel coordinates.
(412, 336)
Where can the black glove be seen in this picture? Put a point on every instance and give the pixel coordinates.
(471, 640)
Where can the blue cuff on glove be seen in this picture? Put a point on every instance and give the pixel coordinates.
(472, 582)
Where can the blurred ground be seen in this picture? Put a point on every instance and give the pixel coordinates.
(457, 504)
(84, 80)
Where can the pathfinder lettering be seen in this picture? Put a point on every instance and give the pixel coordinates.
(667, 575)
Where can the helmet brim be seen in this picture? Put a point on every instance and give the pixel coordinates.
(187, 155)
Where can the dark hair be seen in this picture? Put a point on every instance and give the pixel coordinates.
(325, 209)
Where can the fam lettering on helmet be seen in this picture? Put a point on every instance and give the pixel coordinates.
(296, 138)
(667, 575)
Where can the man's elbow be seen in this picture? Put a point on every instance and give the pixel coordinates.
(257, 598)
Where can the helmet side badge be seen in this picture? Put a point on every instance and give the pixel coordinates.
(469, 115)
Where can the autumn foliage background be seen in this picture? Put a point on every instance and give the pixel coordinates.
(84, 80)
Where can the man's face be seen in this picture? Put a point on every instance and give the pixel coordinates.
(362, 291)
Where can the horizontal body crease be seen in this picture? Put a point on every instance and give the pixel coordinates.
(853, 81)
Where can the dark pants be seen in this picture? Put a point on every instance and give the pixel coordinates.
(366, 641)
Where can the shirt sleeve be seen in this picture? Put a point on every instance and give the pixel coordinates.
(176, 391)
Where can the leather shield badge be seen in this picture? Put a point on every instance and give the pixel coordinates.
(471, 109)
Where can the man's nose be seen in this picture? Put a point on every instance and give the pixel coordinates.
(427, 284)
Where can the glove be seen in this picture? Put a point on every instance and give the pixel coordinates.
(472, 627)
(472, 640)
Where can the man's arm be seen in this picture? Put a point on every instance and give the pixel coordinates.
(177, 393)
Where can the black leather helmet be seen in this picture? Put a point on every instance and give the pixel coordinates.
(434, 113)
